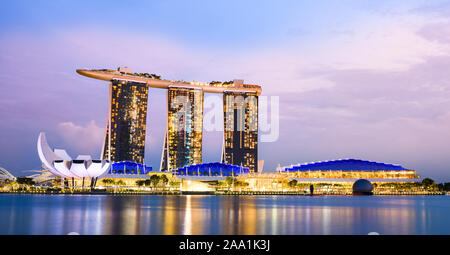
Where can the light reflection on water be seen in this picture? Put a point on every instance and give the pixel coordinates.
(60, 214)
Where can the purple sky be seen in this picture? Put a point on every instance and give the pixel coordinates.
(356, 79)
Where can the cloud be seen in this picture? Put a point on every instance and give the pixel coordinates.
(399, 117)
(437, 10)
(82, 139)
(376, 42)
(438, 32)
(376, 88)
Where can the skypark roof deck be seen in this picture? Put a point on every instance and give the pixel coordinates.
(155, 82)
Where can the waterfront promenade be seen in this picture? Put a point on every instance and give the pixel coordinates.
(225, 193)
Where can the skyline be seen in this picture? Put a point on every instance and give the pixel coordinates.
(355, 80)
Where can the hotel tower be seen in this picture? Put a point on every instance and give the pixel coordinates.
(182, 146)
(183, 138)
(126, 123)
(240, 146)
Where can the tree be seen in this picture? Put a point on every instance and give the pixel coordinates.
(229, 180)
(120, 182)
(11, 183)
(427, 182)
(447, 186)
(108, 181)
(154, 76)
(154, 179)
(25, 181)
(174, 183)
(164, 179)
(242, 184)
(140, 183)
(221, 183)
(292, 183)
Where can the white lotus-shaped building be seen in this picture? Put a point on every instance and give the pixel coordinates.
(59, 163)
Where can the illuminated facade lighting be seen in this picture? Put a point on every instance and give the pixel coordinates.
(211, 169)
(348, 169)
(183, 138)
(126, 124)
(125, 132)
(240, 145)
(128, 167)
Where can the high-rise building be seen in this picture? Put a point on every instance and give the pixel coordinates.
(240, 145)
(125, 132)
(183, 138)
(126, 124)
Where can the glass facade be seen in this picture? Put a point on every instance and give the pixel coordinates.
(128, 167)
(211, 169)
(126, 125)
(241, 129)
(183, 138)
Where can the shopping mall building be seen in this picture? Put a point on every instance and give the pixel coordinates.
(349, 169)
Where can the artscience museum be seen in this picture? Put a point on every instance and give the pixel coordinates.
(59, 163)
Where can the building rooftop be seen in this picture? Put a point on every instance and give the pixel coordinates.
(344, 165)
(155, 81)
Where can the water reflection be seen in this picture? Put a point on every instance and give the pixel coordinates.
(59, 214)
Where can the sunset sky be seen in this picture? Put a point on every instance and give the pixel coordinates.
(355, 79)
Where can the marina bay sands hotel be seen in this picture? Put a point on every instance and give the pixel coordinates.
(127, 115)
